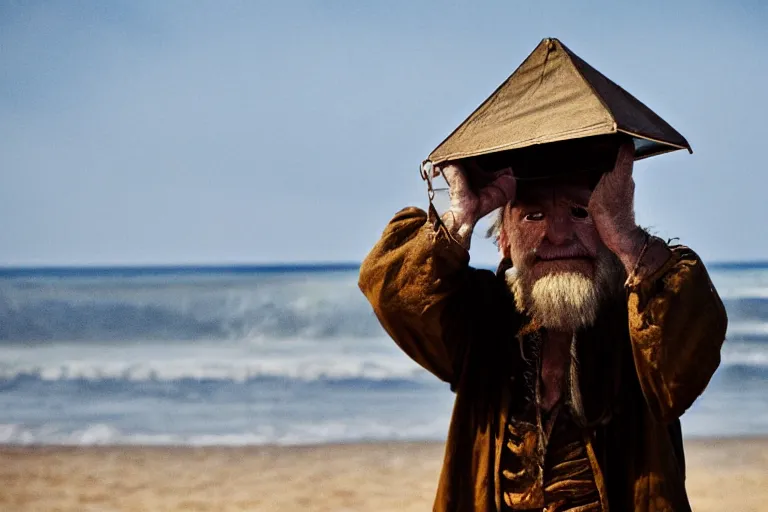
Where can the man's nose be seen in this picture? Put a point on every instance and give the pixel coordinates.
(559, 229)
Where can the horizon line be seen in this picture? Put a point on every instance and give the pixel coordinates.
(6, 271)
(11, 270)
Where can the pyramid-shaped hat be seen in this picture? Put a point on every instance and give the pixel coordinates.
(555, 96)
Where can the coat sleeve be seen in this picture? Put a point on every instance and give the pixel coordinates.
(423, 291)
(677, 326)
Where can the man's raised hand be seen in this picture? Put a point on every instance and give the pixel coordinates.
(474, 194)
(611, 207)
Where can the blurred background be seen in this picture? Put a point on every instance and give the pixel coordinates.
(187, 189)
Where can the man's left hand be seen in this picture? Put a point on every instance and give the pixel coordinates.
(611, 207)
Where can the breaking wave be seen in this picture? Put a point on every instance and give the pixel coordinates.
(736, 356)
(243, 357)
(376, 369)
(251, 306)
(186, 308)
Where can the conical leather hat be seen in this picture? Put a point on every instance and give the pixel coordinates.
(556, 96)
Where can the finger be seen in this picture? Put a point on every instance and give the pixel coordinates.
(599, 186)
(499, 193)
(493, 197)
(507, 171)
(455, 177)
(507, 184)
(621, 178)
(625, 159)
(612, 187)
(504, 175)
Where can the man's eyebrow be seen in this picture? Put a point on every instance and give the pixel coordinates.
(527, 204)
(532, 197)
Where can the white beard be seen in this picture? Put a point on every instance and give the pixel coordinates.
(564, 301)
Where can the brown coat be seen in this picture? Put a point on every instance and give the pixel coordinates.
(641, 366)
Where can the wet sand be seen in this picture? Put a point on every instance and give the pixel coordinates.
(723, 474)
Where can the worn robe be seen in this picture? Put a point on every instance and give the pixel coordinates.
(643, 363)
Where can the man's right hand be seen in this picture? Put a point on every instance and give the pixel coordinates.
(474, 194)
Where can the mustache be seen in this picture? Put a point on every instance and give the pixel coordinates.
(547, 252)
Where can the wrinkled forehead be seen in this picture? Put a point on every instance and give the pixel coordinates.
(531, 194)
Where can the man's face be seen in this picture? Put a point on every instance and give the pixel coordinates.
(562, 270)
(548, 230)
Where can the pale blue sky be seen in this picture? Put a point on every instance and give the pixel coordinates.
(267, 132)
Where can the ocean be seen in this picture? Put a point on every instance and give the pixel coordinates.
(267, 355)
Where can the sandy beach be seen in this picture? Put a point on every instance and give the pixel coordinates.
(724, 474)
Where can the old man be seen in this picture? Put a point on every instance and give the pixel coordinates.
(573, 363)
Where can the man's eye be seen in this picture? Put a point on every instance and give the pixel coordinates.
(578, 212)
(535, 216)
